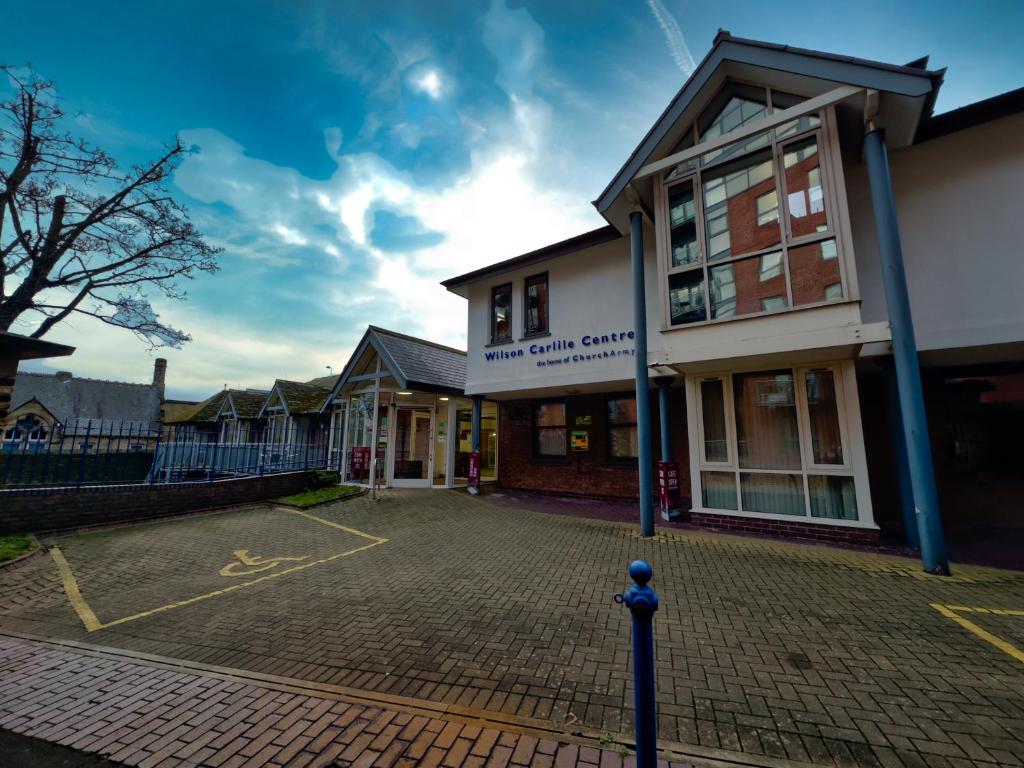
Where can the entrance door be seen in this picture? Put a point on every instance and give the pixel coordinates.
(412, 447)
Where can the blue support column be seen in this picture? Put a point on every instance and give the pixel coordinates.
(643, 402)
(899, 451)
(904, 348)
(475, 432)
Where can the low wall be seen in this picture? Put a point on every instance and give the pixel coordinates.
(35, 512)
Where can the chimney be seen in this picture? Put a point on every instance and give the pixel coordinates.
(63, 375)
(160, 376)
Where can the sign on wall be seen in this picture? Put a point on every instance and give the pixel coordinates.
(584, 421)
(587, 348)
(579, 440)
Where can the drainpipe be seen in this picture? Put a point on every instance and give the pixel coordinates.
(475, 432)
(904, 350)
(643, 402)
(664, 382)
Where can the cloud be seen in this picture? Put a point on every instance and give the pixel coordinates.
(673, 36)
(429, 82)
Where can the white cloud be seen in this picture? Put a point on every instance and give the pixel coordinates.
(673, 36)
(429, 82)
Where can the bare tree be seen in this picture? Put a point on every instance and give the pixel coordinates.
(80, 236)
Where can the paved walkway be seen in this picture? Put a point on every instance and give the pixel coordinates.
(149, 713)
(768, 648)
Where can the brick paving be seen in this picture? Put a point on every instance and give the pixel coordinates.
(152, 716)
(774, 649)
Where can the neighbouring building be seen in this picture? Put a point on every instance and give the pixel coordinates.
(748, 212)
(60, 411)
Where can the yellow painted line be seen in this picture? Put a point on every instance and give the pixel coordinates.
(74, 594)
(91, 623)
(300, 513)
(953, 612)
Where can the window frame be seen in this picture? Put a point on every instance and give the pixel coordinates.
(493, 318)
(692, 172)
(851, 440)
(535, 430)
(608, 426)
(527, 281)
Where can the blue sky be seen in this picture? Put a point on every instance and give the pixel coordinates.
(352, 155)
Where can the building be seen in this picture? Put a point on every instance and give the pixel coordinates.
(750, 273)
(60, 411)
(405, 396)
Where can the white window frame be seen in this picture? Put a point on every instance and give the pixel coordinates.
(850, 431)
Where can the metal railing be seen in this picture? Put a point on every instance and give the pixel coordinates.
(40, 458)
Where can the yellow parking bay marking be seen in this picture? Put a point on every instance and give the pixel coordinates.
(254, 563)
(953, 612)
(91, 623)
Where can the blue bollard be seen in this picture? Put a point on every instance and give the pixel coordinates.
(642, 602)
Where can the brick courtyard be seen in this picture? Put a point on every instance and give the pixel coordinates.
(772, 649)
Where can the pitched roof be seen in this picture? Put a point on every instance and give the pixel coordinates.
(424, 362)
(301, 398)
(970, 115)
(413, 362)
(247, 404)
(327, 382)
(206, 411)
(72, 399)
(909, 81)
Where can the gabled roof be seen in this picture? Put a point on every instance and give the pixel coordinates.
(908, 81)
(296, 397)
(327, 382)
(413, 363)
(204, 412)
(73, 398)
(245, 404)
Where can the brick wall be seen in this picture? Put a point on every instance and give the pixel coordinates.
(590, 473)
(816, 531)
(76, 508)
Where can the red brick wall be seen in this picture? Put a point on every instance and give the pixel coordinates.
(816, 531)
(590, 473)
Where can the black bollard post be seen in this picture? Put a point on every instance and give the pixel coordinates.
(642, 602)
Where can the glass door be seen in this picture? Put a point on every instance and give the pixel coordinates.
(413, 437)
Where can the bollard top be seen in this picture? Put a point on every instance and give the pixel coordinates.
(640, 571)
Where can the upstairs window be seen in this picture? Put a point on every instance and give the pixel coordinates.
(501, 313)
(535, 294)
(748, 228)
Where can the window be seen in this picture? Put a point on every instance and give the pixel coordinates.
(773, 442)
(549, 435)
(747, 228)
(501, 313)
(622, 435)
(536, 311)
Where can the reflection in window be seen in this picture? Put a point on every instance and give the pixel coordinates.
(712, 398)
(549, 437)
(742, 107)
(826, 440)
(767, 208)
(814, 273)
(686, 297)
(501, 313)
(683, 224)
(733, 223)
(740, 287)
(766, 427)
(805, 197)
(536, 290)
(622, 437)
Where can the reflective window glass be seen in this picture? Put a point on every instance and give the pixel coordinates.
(805, 197)
(501, 313)
(767, 436)
(686, 297)
(622, 433)
(740, 287)
(712, 399)
(549, 436)
(683, 224)
(536, 289)
(814, 273)
(832, 496)
(733, 223)
(826, 439)
(718, 490)
(774, 494)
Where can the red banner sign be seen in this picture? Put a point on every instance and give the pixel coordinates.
(474, 469)
(359, 460)
(668, 485)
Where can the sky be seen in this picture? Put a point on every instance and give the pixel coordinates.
(350, 156)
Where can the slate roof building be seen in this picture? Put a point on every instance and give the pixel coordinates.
(77, 411)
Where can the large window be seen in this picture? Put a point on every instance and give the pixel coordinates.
(501, 313)
(774, 443)
(747, 228)
(621, 425)
(535, 294)
(549, 435)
